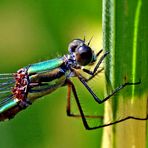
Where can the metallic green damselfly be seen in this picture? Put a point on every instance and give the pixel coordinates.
(19, 90)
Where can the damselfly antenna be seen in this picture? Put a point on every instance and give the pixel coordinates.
(84, 39)
(90, 41)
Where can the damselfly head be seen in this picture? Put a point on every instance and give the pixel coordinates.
(84, 55)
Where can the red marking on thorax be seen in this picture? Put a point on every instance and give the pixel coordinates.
(20, 88)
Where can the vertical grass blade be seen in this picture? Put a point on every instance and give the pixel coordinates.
(125, 33)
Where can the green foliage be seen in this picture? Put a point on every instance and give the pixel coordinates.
(32, 31)
(125, 36)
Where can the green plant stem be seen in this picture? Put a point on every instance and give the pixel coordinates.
(125, 36)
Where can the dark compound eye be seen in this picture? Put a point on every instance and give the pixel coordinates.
(74, 44)
(84, 55)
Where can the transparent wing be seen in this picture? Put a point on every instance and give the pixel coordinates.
(6, 84)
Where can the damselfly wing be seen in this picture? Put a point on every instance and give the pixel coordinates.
(7, 99)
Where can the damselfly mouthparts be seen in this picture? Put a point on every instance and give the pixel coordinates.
(19, 90)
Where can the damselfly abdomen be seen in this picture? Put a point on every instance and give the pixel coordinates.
(19, 90)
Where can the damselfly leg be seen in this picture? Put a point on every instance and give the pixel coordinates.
(84, 81)
(83, 116)
(70, 86)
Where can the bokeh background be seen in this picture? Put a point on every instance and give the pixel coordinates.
(33, 31)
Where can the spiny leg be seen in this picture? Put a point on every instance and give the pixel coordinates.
(129, 117)
(68, 109)
(97, 99)
(121, 120)
(99, 52)
(91, 77)
(106, 98)
(71, 86)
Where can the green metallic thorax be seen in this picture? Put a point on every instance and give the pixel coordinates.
(48, 75)
(45, 66)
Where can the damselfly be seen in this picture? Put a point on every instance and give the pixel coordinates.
(19, 90)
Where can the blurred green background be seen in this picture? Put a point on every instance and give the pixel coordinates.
(32, 31)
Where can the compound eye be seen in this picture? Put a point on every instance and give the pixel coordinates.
(84, 55)
(75, 44)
